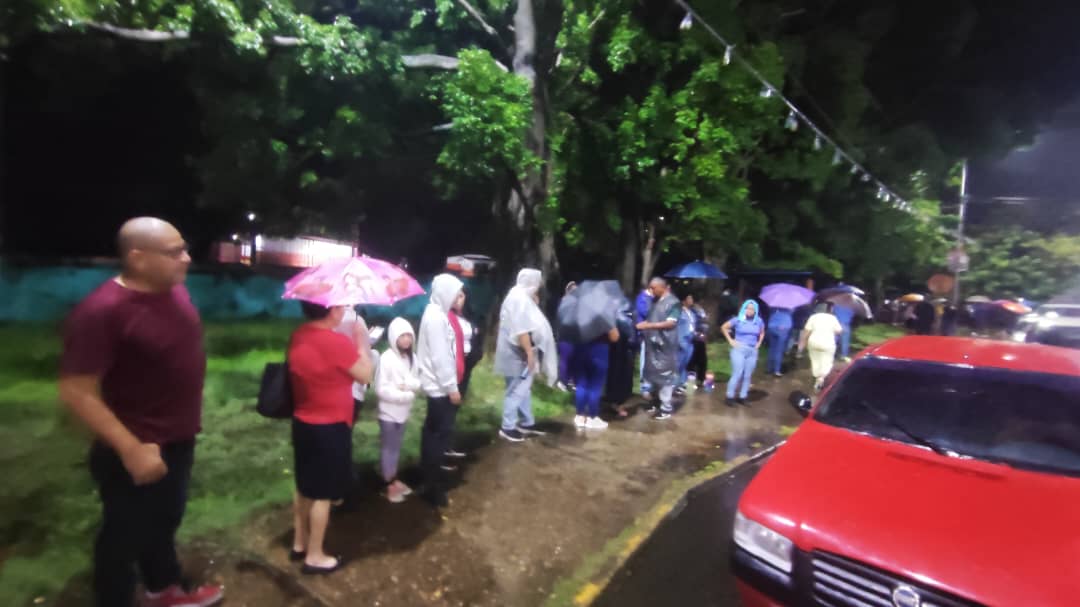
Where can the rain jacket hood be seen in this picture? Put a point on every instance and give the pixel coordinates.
(398, 327)
(444, 290)
(749, 303)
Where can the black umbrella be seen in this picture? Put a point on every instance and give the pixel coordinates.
(590, 310)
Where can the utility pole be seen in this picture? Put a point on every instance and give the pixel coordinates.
(958, 260)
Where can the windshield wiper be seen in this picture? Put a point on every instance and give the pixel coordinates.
(919, 440)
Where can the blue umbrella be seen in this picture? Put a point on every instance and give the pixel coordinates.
(696, 269)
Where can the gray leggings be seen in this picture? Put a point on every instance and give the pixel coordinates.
(390, 436)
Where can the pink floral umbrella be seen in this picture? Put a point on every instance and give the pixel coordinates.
(352, 281)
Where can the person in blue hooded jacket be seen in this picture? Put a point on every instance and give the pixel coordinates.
(781, 321)
(745, 333)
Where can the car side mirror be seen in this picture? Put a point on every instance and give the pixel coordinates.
(802, 402)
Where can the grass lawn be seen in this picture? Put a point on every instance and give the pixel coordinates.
(48, 508)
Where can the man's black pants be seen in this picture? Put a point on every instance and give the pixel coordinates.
(435, 440)
(139, 524)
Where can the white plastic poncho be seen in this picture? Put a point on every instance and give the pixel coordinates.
(520, 315)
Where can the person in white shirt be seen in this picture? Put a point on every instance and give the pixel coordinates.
(819, 338)
(396, 385)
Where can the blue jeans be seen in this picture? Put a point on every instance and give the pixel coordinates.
(778, 341)
(518, 402)
(743, 361)
(645, 385)
(686, 352)
(843, 342)
(589, 369)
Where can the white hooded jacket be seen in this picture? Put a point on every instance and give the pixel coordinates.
(435, 345)
(397, 381)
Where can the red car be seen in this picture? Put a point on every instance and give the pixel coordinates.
(934, 472)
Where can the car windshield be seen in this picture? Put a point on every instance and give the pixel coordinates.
(1021, 419)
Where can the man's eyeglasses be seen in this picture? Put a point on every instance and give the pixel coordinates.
(173, 252)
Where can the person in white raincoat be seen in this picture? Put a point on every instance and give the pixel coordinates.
(396, 385)
(525, 346)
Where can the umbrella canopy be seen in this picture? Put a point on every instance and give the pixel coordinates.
(912, 298)
(1012, 306)
(696, 269)
(783, 295)
(978, 299)
(841, 289)
(590, 310)
(852, 302)
(352, 281)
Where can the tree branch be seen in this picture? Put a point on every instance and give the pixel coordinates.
(146, 35)
(479, 18)
(441, 62)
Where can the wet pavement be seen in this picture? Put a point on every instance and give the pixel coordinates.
(524, 519)
(685, 562)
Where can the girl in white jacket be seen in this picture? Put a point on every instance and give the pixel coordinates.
(396, 384)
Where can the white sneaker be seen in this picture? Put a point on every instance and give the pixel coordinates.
(595, 423)
(579, 421)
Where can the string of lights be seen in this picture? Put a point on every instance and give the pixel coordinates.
(796, 117)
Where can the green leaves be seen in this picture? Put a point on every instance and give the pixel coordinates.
(491, 111)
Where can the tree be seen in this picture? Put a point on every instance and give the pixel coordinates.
(1013, 262)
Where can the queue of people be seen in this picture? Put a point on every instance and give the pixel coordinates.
(115, 362)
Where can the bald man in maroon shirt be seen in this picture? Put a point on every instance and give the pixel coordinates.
(132, 370)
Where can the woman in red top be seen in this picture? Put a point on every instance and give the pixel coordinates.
(323, 365)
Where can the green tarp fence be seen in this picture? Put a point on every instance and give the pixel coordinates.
(47, 293)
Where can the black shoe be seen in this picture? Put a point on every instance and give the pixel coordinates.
(531, 431)
(742, 401)
(729, 402)
(512, 435)
(449, 467)
(454, 454)
(651, 408)
(313, 570)
(297, 555)
(662, 415)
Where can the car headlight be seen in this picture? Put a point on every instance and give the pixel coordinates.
(764, 543)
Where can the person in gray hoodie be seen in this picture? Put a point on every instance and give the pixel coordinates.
(440, 360)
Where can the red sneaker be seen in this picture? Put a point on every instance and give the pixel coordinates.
(175, 596)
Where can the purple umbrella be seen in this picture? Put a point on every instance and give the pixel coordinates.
(783, 295)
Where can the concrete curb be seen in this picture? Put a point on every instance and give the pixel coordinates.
(583, 587)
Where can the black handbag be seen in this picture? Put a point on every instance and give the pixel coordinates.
(275, 392)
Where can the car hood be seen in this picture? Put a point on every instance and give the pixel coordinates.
(986, 532)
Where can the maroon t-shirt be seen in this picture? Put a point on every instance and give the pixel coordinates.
(148, 351)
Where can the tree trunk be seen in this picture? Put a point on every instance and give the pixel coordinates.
(628, 260)
(648, 253)
(536, 244)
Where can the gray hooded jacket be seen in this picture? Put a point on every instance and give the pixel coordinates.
(435, 347)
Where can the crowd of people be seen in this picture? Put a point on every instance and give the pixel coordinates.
(133, 369)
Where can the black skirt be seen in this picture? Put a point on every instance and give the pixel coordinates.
(322, 459)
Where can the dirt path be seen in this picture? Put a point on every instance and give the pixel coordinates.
(522, 518)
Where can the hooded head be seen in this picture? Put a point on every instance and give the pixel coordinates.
(529, 279)
(748, 306)
(398, 327)
(444, 290)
